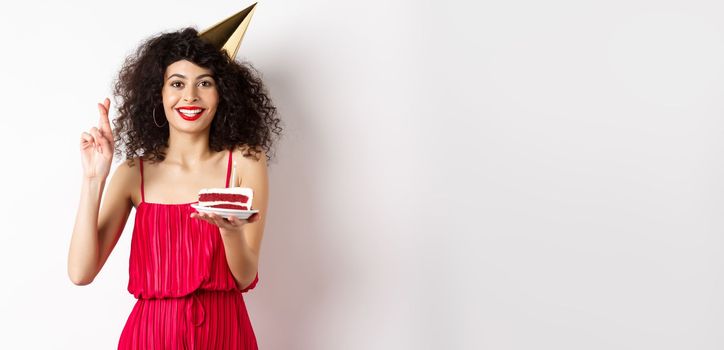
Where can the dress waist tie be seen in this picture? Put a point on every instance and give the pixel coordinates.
(191, 311)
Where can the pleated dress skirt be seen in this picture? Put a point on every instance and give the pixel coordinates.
(203, 320)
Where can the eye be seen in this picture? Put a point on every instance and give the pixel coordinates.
(206, 83)
(176, 84)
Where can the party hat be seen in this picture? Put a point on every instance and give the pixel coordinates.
(227, 34)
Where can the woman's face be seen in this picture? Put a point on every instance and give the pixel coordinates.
(189, 96)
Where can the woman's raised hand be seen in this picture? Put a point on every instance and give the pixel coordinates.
(96, 146)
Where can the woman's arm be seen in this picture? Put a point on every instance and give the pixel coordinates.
(95, 235)
(242, 241)
(242, 247)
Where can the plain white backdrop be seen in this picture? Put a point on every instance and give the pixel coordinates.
(453, 175)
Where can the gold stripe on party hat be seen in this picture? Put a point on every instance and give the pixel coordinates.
(227, 34)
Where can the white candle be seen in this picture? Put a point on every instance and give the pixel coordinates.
(233, 175)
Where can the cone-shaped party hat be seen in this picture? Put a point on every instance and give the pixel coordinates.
(227, 34)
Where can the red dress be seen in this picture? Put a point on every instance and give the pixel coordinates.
(187, 296)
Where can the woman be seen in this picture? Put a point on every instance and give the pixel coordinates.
(188, 112)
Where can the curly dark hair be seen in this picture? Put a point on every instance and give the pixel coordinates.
(245, 116)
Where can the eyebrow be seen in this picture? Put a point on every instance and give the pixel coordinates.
(184, 77)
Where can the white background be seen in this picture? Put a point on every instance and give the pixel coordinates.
(454, 175)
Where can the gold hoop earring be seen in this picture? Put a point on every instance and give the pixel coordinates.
(154, 119)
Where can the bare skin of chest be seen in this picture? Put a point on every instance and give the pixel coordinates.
(173, 183)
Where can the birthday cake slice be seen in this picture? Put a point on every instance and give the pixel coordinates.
(238, 198)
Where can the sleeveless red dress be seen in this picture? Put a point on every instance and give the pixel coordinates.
(187, 296)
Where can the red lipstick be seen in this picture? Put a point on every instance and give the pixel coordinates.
(190, 113)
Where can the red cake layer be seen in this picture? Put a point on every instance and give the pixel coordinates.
(229, 206)
(223, 197)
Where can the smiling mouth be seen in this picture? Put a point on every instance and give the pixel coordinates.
(190, 113)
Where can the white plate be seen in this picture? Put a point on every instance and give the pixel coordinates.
(223, 212)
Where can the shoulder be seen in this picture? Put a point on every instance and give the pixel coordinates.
(251, 165)
(129, 168)
(127, 175)
(247, 156)
(126, 169)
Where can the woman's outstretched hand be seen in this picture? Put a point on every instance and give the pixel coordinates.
(96, 146)
(232, 224)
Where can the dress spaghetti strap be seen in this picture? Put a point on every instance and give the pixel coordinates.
(143, 197)
(228, 170)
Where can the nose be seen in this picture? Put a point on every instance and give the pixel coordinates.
(190, 95)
